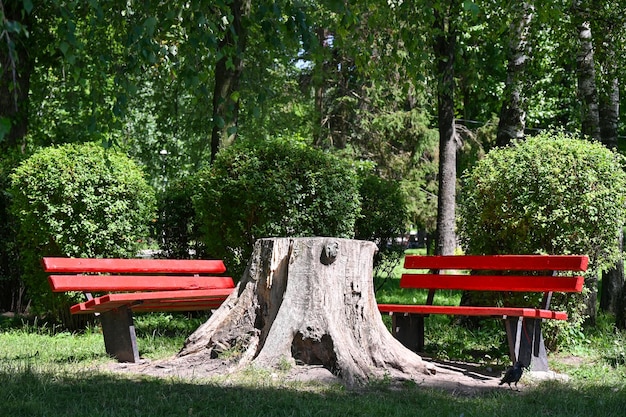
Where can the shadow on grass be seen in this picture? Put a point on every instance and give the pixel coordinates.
(27, 391)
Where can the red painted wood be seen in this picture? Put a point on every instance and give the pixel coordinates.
(473, 311)
(89, 283)
(203, 305)
(154, 305)
(492, 283)
(499, 262)
(125, 298)
(161, 298)
(133, 266)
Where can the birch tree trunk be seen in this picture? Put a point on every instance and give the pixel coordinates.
(586, 73)
(512, 115)
(307, 301)
(605, 41)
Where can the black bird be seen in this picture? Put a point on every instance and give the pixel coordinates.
(513, 374)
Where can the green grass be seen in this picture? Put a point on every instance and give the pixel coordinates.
(444, 338)
(47, 372)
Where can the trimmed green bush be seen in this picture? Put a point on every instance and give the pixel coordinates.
(552, 194)
(269, 188)
(77, 200)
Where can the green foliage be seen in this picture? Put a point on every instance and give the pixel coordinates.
(79, 201)
(167, 325)
(277, 187)
(384, 217)
(552, 194)
(383, 210)
(10, 285)
(176, 227)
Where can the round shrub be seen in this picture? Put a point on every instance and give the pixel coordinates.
(269, 188)
(552, 194)
(77, 200)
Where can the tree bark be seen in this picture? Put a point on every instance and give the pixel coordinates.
(512, 115)
(228, 70)
(306, 301)
(612, 284)
(604, 41)
(445, 44)
(609, 102)
(587, 89)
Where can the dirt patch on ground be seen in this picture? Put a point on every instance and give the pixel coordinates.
(458, 378)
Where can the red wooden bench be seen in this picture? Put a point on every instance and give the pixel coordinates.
(134, 285)
(520, 273)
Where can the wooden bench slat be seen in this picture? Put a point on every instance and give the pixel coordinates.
(133, 266)
(473, 311)
(132, 297)
(493, 283)
(499, 262)
(162, 299)
(89, 283)
(153, 305)
(489, 273)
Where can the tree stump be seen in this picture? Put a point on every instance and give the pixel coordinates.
(307, 301)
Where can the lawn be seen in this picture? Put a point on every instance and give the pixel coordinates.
(49, 372)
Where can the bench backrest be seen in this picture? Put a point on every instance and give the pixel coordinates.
(134, 274)
(493, 272)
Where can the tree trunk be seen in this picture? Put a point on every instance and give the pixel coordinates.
(604, 41)
(609, 103)
(512, 115)
(590, 118)
(612, 283)
(586, 72)
(306, 301)
(228, 70)
(445, 41)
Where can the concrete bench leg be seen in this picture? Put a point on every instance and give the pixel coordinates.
(526, 343)
(118, 330)
(409, 330)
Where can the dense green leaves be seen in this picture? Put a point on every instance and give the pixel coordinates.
(276, 187)
(79, 201)
(549, 194)
(383, 210)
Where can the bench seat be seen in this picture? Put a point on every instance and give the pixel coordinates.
(155, 301)
(137, 285)
(501, 312)
(492, 273)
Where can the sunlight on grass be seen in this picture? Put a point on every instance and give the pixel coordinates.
(54, 373)
(49, 372)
